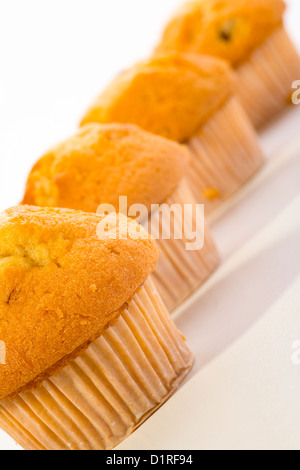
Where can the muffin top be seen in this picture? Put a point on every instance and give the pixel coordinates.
(229, 29)
(103, 162)
(61, 285)
(170, 95)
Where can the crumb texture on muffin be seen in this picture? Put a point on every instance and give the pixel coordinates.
(61, 286)
(101, 163)
(171, 95)
(229, 29)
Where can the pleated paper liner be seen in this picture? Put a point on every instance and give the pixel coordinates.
(110, 389)
(225, 154)
(179, 271)
(265, 80)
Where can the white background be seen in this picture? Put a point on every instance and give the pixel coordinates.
(55, 57)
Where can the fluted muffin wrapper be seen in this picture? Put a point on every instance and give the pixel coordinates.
(110, 389)
(179, 271)
(265, 80)
(225, 154)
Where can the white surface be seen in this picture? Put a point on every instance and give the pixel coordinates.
(55, 57)
(247, 399)
(244, 397)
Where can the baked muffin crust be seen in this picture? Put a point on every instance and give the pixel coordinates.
(60, 287)
(229, 29)
(102, 162)
(171, 95)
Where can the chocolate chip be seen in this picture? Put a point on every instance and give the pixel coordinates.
(226, 31)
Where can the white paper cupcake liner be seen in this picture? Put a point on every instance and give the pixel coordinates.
(180, 272)
(265, 81)
(110, 389)
(225, 154)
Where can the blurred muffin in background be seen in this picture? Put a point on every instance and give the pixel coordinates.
(189, 98)
(250, 35)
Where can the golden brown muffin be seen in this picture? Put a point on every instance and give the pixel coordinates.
(182, 96)
(230, 29)
(170, 95)
(251, 36)
(60, 287)
(90, 349)
(102, 162)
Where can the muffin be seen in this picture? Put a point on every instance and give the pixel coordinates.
(91, 351)
(104, 162)
(191, 99)
(251, 36)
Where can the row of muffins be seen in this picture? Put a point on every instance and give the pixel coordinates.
(91, 350)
